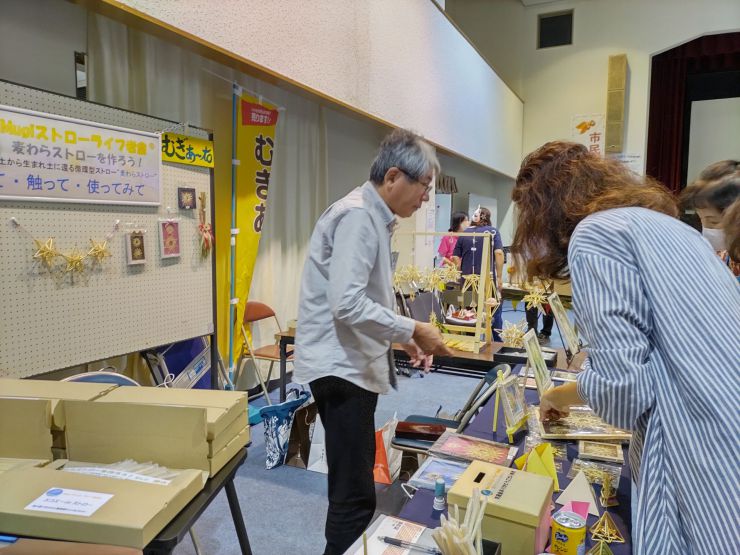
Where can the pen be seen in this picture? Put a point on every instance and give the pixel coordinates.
(410, 545)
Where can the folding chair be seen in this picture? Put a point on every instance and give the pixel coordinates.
(255, 311)
(482, 392)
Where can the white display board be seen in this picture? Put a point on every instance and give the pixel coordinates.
(53, 320)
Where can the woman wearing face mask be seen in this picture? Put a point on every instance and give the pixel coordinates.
(714, 202)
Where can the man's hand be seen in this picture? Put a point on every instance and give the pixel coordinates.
(417, 356)
(429, 340)
(552, 407)
(499, 283)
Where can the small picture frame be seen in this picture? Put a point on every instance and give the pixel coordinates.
(570, 336)
(512, 396)
(599, 451)
(169, 238)
(135, 250)
(563, 376)
(186, 198)
(537, 362)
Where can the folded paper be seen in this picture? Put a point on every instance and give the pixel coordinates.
(579, 490)
(540, 460)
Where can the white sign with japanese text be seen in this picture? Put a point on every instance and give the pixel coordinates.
(44, 157)
(589, 131)
(67, 501)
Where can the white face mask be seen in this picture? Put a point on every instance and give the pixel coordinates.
(716, 238)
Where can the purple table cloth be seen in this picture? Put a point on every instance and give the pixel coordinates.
(419, 508)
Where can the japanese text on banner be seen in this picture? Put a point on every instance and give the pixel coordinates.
(255, 139)
(44, 157)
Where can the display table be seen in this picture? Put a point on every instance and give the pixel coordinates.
(476, 363)
(480, 363)
(176, 530)
(515, 293)
(419, 508)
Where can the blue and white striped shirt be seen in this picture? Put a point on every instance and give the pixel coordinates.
(661, 315)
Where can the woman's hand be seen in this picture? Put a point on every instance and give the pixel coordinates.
(553, 406)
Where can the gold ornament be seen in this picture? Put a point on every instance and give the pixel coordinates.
(513, 334)
(600, 548)
(75, 261)
(449, 274)
(99, 251)
(605, 530)
(46, 252)
(471, 282)
(608, 497)
(535, 299)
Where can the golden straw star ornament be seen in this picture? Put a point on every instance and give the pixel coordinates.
(513, 334)
(75, 261)
(46, 252)
(99, 251)
(470, 281)
(535, 299)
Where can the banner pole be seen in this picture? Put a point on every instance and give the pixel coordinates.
(232, 290)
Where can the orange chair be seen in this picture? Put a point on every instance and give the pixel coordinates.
(255, 311)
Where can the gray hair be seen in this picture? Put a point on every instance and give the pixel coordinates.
(406, 151)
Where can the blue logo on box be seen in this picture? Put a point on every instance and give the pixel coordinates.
(55, 491)
(559, 536)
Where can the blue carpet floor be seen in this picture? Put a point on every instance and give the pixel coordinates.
(285, 508)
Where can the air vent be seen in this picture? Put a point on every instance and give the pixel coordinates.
(555, 29)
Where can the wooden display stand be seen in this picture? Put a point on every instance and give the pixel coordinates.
(462, 337)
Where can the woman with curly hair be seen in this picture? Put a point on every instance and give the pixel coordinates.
(658, 311)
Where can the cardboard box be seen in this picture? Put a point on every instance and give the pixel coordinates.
(222, 407)
(218, 461)
(25, 428)
(518, 509)
(232, 430)
(54, 391)
(24, 546)
(132, 517)
(14, 464)
(172, 436)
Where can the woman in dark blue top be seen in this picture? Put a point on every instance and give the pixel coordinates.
(469, 252)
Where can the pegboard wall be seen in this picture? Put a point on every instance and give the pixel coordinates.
(51, 320)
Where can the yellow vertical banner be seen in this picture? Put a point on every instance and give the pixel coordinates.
(255, 140)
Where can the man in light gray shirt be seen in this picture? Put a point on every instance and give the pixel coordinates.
(347, 323)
